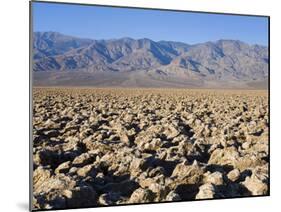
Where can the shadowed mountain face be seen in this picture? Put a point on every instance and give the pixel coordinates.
(126, 62)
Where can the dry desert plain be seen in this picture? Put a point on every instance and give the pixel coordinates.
(106, 146)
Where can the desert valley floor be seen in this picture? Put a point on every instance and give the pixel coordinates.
(106, 146)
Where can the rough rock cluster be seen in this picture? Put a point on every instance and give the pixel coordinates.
(119, 146)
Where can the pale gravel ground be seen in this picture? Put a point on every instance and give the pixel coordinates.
(117, 146)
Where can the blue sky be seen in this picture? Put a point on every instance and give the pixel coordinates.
(107, 23)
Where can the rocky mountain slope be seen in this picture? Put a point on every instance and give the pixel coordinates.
(133, 62)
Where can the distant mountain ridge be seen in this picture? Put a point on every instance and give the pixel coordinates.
(167, 61)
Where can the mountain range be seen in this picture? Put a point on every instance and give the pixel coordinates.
(62, 60)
